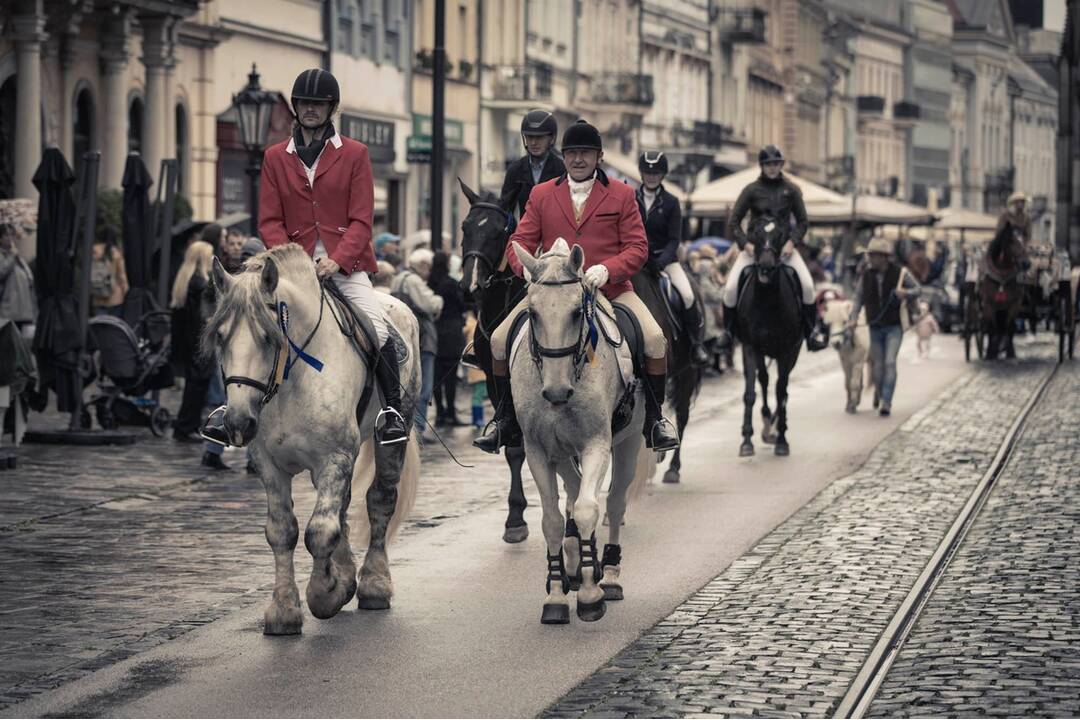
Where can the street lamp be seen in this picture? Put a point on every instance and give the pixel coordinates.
(254, 107)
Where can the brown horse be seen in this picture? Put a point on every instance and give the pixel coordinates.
(1000, 292)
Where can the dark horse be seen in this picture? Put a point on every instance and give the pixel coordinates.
(497, 291)
(1000, 293)
(684, 377)
(769, 326)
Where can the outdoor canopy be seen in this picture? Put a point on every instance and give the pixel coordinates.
(871, 209)
(139, 240)
(718, 197)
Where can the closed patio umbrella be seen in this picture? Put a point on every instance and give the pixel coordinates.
(57, 341)
(139, 241)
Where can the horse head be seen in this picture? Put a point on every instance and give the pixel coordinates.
(484, 231)
(768, 237)
(557, 307)
(1007, 251)
(251, 316)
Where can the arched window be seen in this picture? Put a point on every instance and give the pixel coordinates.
(181, 149)
(84, 127)
(135, 125)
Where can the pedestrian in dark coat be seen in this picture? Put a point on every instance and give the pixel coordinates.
(450, 328)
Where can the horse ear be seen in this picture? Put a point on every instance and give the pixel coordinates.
(219, 276)
(528, 262)
(471, 196)
(577, 258)
(269, 279)
(560, 247)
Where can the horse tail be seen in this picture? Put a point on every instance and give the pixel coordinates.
(645, 468)
(408, 486)
(364, 476)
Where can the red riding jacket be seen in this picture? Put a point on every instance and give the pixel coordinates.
(610, 231)
(337, 207)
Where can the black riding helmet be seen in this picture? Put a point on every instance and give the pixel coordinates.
(654, 162)
(316, 84)
(582, 135)
(770, 153)
(539, 122)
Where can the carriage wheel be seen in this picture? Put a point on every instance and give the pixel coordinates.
(160, 421)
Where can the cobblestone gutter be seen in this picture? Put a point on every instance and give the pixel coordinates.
(999, 635)
(783, 631)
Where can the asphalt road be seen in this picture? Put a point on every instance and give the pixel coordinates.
(463, 637)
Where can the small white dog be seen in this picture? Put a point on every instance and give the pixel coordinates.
(853, 347)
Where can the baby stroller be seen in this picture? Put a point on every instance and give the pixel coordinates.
(133, 364)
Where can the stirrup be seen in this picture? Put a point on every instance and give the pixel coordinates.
(394, 421)
(661, 423)
(213, 430)
(469, 359)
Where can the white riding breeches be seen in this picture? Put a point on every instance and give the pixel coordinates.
(678, 277)
(731, 290)
(359, 291)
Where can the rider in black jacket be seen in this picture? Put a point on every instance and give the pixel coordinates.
(771, 197)
(662, 216)
(540, 164)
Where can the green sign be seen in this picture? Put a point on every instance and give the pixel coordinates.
(455, 129)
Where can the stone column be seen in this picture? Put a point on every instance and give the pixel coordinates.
(114, 64)
(156, 58)
(28, 36)
(170, 96)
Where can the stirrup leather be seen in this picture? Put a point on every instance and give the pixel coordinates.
(213, 430)
(391, 414)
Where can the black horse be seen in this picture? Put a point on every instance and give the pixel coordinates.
(769, 326)
(497, 291)
(1000, 291)
(684, 377)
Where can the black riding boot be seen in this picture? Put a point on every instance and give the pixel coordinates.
(695, 327)
(726, 341)
(503, 430)
(814, 340)
(394, 428)
(660, 434)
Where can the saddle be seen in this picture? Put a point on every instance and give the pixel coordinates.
(619, 329)
(673, 302)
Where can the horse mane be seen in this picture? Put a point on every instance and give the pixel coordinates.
(244, 297)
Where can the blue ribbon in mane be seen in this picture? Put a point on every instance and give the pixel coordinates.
(283, 318)
(593, 334)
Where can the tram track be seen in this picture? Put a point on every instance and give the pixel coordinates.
(863, 690)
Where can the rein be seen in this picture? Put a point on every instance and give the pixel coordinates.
(587, 332)
(287, 355)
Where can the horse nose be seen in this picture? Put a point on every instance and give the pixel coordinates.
(558, 396)
(240, 427)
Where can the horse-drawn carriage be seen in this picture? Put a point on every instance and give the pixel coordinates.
(1006, 281)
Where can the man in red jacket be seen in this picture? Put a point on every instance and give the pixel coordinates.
(602, 217)
(317, 191)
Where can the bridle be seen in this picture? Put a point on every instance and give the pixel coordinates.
(587, 332)
(286, 356)
(479, 256)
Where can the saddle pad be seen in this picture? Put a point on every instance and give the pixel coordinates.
(622, 353)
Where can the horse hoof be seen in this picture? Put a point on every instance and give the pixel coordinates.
(782, 449)
(373, 603)
(850, 409)
(671, 477)
(283, 621)
(768, 439)
(591, 612)
(746, 450)
(555, 614)
(517, 534)
(612, 591)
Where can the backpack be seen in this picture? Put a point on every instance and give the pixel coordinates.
(101, 275)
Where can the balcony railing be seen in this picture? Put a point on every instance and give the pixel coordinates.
(870, 104)
(521, 82)
(626, 88)
(742, 25)
(904, 110)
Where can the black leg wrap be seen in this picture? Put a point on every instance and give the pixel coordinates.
(572, 529)
(612, 556)
(588, 558)
(557, 572)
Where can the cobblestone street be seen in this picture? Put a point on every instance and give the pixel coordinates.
(784, 630)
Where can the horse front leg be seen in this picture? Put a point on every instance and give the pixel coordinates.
(682, 419)
(749, 398)
(283, 615)
(783, 376)
(329, 587)
(516, 529)
(375, 587)
(594, 466)
(768, 419)
(568, 471)
(556, 609)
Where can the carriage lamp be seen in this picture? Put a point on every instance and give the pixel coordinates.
(254, 106)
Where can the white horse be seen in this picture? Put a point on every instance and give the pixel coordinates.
(296, 389)
(565, 404)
